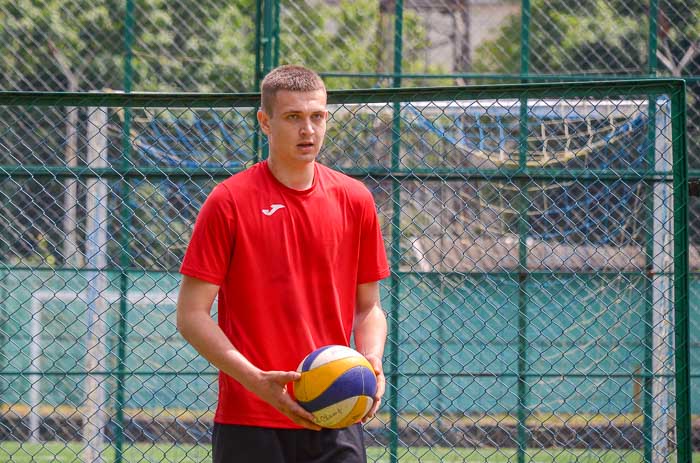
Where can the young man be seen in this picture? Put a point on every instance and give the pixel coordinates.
(294, 251)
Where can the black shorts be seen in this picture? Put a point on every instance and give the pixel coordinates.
(251, 444)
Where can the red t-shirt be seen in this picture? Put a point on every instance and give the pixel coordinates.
(288, 263)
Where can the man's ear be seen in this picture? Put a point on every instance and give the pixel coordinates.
(264, 121)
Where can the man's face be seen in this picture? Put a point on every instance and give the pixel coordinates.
(297, 126)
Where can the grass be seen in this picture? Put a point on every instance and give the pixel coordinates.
(56, 452)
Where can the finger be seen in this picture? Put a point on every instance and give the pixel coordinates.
(372, 411)
(307, 424)
(300, 412)
(375, 407)
(291, 407)
(284, 377)
(381, 387)
(298, 415)
(376, 364)
(378, 369)
(301, 417)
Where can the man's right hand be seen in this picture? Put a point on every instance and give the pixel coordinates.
(196, 325)
(271, 386)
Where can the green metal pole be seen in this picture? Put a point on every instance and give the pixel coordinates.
(3, 313)
(257, 77)
(653, 36)
(525, 38)
(649, 302)
(647, 422)
(124, 258)
(395, 241)
(258, 43)
(522, 206)
(5, 272)
(681, 273)
(268, 38)
(268, 45)
(442, 314)
(276, 33)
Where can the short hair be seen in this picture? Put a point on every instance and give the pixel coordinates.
(289, 77)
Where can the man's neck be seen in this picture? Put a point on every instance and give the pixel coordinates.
(299, 177)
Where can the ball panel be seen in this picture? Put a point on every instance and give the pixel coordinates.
(329, 354)
(361, 408)
(356, 381)
(315, 382)
(334, 415)
(368, 402)
(309, 359)
(344, 413)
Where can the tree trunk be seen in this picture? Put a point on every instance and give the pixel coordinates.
(463, 59)
(71, 254)
(385, 37)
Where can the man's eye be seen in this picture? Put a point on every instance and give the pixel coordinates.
(318, 116)
(292, 117)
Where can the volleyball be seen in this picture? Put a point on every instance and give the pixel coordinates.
(337, 386)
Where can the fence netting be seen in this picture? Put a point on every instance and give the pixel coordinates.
(537, 264)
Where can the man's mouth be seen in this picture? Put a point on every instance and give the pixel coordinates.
(307, 144)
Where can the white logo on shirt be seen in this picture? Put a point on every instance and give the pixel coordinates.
(273, 208)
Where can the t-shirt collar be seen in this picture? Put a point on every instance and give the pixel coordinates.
(286, 189)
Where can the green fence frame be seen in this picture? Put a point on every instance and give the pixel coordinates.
(674, 89)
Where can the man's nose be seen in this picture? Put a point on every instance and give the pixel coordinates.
(307, 127)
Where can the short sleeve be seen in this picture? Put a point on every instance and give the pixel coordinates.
(211, 245)
(373, 265)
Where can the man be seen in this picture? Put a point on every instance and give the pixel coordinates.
(294, 251)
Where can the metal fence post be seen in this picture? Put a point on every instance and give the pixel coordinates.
(270, 46)
(125, 254)
(647, 379)
(653, 36)
(395, 239)
(522, 206)
(525, 39)
(257, 77)
(681, 275)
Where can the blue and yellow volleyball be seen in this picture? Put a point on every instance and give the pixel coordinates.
(337, 386)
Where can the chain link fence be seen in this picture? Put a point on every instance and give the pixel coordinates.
(538, 302)
(227, 46)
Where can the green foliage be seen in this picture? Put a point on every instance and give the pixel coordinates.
(589, 36)
(500, 55)
(190, 46)
(194, 46)
(350, 37)
(36, 37)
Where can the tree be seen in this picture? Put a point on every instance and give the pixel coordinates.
(596, 36)
(352, 36)
(177, 46)
(80, 45)
(604, 37)
(43, 52)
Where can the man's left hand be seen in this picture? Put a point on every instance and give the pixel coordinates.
(376, 363)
